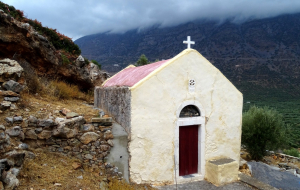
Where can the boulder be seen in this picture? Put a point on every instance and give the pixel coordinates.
(16, 158)
(23, 146)
(71, 115)
(13, 86)
(64, 132)
(13, 107)
(104, 148)
(108, 135)
(79, 61)
(30, 134)
(88, 137)
(5, 105)
(18, 119)
(87, 128)
(12, 99)
(2, 127)
(8, 93)
(14, 132)
(10, 180)
(4, 138)
(9, 120)
(45, 134)
(64, 111)
(38, 130)
(32, 121)
(10, 69)
(72, 123)
(46, 123)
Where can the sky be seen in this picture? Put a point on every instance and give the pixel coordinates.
(77, 18)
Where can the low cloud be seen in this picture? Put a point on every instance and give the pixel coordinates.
(77, 18)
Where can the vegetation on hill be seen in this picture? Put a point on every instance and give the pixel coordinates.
(59, 41)
(143, 60)
(263, 129)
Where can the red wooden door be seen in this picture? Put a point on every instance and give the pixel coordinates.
(188, 150)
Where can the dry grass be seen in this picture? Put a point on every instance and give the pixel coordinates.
(49, 168)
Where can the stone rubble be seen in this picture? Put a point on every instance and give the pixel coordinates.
(71, 135)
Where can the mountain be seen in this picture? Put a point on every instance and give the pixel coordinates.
(263, 52)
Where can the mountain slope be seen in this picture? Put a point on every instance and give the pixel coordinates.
(265, 52)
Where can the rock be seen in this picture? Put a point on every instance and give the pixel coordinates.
(89, 137)
(9, 120)
(10, 181)
(110, 142)
(87, 128)
(58, 120)
(108, 135)
(64, 132)
(105, 121)
(103, 185)
(11, 99)
(57, 184)
(45, 134)
(30, 134)
(80, 177)
(32, 121)
(13, 86)
(2, 127)
(46, 123)
(14, 132)
(76, 165)
(5, 105)
(104, 148)
(13, 107)
(79, 61)
(18, 119)
(72, 123)
(38, 130)
(88, 156)
(64, 111)
(29, 155)
(16, 158)
(4, 138)
(23, 146)
(8, 93)
(10, 69)
(71, 115)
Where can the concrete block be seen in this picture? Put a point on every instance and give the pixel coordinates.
(222, 171)
(106, 121)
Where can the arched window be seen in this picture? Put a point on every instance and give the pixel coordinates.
(190, 111)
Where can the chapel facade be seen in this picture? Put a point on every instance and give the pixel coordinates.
(183, 119)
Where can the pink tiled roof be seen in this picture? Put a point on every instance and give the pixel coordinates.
(132, 75)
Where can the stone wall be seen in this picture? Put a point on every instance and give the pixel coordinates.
(116, 101)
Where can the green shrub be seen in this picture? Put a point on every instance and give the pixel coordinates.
(292, 152)
(86, 61)
(262, 129)
(143, 60)
(96, 63)
(65, 60)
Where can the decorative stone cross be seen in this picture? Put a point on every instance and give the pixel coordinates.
(189, 42)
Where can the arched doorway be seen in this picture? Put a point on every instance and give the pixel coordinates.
(190, 141)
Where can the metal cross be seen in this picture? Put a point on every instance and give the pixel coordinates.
(189, 42)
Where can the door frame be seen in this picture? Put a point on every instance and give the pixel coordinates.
(182, 122)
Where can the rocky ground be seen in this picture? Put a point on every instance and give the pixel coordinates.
(47, 143)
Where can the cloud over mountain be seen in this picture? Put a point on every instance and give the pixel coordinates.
(77, 18)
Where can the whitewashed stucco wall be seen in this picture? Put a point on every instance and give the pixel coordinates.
(154, 103)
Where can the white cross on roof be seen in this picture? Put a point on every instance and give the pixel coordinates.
(189, 42)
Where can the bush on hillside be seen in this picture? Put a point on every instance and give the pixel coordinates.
(96, 63)
(292, 152)
(143, 60)
(262, 129)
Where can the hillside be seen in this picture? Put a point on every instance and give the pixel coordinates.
(261, 52)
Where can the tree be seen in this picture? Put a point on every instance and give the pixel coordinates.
(143, 60)
(263, 129)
